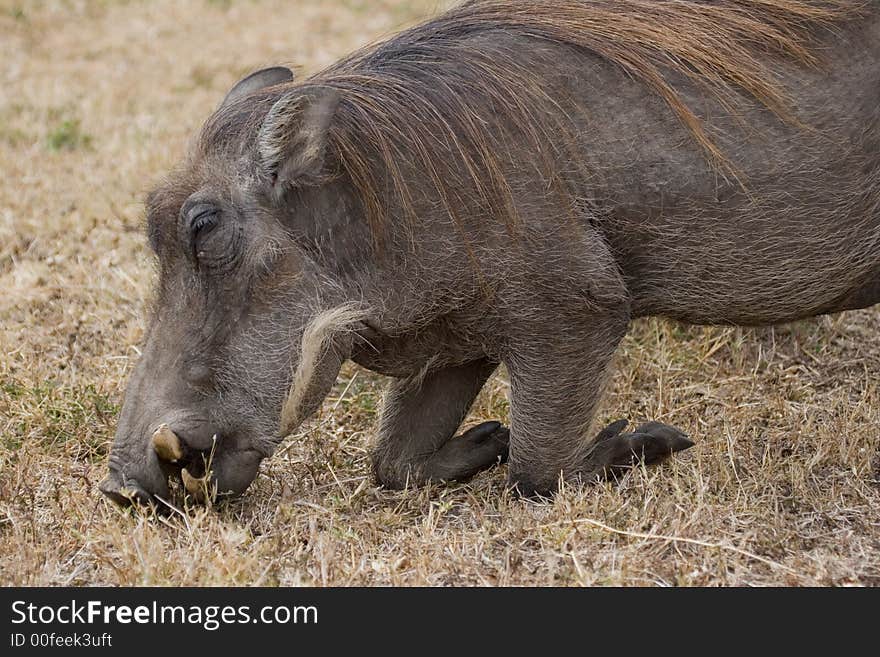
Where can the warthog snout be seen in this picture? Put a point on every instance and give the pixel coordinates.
(207, 463)
(142, 478)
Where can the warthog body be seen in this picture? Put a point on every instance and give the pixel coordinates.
(512, 182)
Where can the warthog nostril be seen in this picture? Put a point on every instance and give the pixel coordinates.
(167, 445)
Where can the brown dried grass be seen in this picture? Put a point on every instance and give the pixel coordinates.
(99, 98)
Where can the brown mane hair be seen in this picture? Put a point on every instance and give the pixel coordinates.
(429, 98)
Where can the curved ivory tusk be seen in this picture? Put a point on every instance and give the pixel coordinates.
(195, 486)
(167, 444)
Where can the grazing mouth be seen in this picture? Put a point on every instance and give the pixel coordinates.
(192, 466)
(195, 478)
(222, 471)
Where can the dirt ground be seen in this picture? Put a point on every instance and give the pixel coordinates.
(98, 99)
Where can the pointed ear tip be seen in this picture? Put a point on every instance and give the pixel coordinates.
(276, 74)
(265, 77)
(280, 73)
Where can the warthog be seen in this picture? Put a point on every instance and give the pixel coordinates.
(509, 183)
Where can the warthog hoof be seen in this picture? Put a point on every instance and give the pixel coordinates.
(614, 452)
(477, 449)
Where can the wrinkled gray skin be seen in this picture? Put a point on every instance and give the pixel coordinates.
(660, 234)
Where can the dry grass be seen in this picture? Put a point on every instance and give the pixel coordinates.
(99, 98)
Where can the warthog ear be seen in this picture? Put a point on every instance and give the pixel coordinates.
(293, 139)
(257, 80)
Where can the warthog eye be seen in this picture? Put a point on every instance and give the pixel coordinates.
(201, 219)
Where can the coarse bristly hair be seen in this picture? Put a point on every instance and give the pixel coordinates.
(422, 98)
(316, 338)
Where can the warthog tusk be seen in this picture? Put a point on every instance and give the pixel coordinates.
(195, 486)
(167, 444)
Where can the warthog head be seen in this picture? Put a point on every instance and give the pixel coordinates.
(249, 328)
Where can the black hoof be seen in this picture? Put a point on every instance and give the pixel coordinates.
(477, 449)
(650, 443)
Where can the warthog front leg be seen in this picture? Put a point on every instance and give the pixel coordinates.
(419, 418)
(556, 384)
